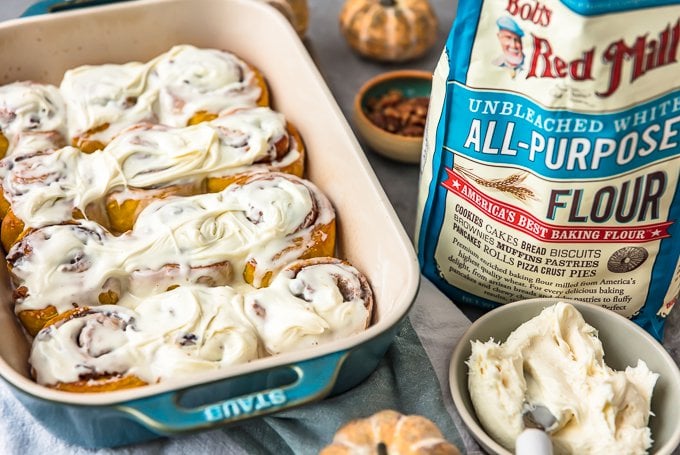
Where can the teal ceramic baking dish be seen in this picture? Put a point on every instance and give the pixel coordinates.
(42, 47)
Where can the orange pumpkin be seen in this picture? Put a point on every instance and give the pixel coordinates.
(389, 30)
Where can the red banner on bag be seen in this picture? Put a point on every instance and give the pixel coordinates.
(524, 221)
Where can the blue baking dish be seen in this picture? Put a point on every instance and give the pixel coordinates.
(42, 47)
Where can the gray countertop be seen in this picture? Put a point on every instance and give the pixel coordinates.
(344, 73)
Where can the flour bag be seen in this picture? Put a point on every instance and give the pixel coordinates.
(551, 156)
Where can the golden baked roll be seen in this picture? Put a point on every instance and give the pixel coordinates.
(388, 432)
(56, 267)
(157, 161)
(142, 341)
(86, 350)
(313, 237)
(310, 302)
(32, 118)
(259, 224)
(197, 84)
(48, 187)
(102, 100)
(282, 150)
(10, 229)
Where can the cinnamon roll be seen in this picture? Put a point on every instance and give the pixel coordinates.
(196, 84)
(256, 139)
(310, 302)
(314, 237)
(172, 334)
(55, 268)
(87, 350)
(197, 329)
(55, 186)
(259, 225)
(102, 100)
(32, 118)
(157, 161)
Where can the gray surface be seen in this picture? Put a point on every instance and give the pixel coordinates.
(345, 73)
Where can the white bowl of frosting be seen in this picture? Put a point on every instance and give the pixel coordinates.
(596, 371)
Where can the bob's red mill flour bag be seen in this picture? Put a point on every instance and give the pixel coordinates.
(551, 156)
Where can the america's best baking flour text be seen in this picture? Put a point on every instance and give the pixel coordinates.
(552, 156)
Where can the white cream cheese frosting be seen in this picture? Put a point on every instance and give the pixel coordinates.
(320, 303)
(556, 360)
(269, 219)
(102, 100)
(108, 97)
(32, 142)
(195, 328)
(44, 188)
(35, 110)
(191, 80)
(181, 331)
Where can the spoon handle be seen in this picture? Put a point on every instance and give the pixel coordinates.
(533, 442)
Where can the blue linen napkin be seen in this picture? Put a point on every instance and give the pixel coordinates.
(412, 379)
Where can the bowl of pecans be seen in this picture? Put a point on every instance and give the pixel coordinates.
(390, 111)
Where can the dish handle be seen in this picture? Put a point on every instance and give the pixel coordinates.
(163, 413)
(54, 6)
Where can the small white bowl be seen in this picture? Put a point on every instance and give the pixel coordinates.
(623, 341)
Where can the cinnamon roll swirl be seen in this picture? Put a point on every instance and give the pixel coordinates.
(57, 267)
(32, 118)
(102, 100)
(172, 334)
(196, 84)
(256, 139)
(87, 350)
(259, 224)
(48, 187)
(157, 161)
(310, 302)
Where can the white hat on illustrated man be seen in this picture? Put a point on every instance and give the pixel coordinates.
(510, 38)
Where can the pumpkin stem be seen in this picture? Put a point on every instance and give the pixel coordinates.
(388, 3)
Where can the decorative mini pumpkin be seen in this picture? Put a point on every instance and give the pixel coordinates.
(389, 30)
(296, 11)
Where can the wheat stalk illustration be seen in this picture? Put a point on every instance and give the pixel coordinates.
(512, 184)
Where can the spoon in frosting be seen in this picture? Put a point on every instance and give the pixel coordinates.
(534, 440)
